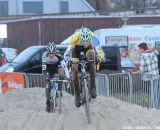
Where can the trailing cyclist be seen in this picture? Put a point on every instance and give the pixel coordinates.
(53, 63)
(86, 41)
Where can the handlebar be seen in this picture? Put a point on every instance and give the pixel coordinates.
(82, 61)
(58, 80)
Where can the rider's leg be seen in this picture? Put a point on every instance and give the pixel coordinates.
(47, 93)
(92, 69)
(61, 77)
(76, 84)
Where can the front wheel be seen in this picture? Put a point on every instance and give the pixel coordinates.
(58, 102)
(52, 104)
(86, 92)
(55, 103)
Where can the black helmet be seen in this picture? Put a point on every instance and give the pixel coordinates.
(51, 47)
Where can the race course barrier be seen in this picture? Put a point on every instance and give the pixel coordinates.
(139, 89)
(9, 81)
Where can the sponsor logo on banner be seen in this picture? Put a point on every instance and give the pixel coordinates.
(9, 81)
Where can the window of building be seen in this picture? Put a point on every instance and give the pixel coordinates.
(3, 8)
(33, 7)
(64, 6)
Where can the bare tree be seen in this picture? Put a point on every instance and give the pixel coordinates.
(131, 4)
(157, 4)
(99, 5)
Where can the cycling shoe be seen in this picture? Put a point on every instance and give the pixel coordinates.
(77, 102)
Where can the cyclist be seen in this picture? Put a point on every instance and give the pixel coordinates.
(52, 63)
(86, 41)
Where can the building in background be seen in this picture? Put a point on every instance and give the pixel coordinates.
(30, 7)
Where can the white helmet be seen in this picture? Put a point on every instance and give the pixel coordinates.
(51, 47)
(85, 36)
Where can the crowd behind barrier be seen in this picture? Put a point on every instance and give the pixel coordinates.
(139, 89)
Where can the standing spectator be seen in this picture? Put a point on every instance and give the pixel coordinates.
(148, 67)
(148, 60)
(2, 58)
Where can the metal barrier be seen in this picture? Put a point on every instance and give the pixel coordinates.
(35, 80)
(140, 89)
(119, 86)
(38, 80)
(102, 84)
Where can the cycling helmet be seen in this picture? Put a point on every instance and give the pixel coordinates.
(51, 47)
(85, 36)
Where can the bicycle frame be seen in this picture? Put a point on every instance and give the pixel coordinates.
(55, 98)
(85, 87)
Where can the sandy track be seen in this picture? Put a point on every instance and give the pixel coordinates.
(24, 109)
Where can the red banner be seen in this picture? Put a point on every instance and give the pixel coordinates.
(9, 81)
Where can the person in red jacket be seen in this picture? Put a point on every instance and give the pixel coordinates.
(2, 58)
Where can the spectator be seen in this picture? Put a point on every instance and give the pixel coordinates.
(148, 67)
(148, 60)
(2, 58)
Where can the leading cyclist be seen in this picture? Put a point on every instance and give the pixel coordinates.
(52, 63)
(86, 41)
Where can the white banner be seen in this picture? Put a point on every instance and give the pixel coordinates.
(3, 31)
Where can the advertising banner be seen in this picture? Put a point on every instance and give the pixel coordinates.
(3, 31)
(9, 81)
(116, 40)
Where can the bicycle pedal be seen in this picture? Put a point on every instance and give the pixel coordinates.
(59, 94)
(92, 100)
(83, 103)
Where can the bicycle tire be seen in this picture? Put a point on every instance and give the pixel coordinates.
(58, 102)
(52, 105)
(87, 108)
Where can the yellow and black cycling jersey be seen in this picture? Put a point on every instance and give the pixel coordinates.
(75, 42)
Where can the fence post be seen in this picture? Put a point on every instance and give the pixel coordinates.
(107, 84)
(26, 80)
(156, 92)
(152, 104)
(130, 87)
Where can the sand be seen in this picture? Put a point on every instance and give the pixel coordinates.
(24, 109)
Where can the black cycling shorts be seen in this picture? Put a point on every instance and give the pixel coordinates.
(52, 69)
(78, 49)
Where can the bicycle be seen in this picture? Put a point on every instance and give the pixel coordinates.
(56, 95)
(84, 85)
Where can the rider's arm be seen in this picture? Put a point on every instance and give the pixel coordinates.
(71, 46)
(98, 47)
(63, 65)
